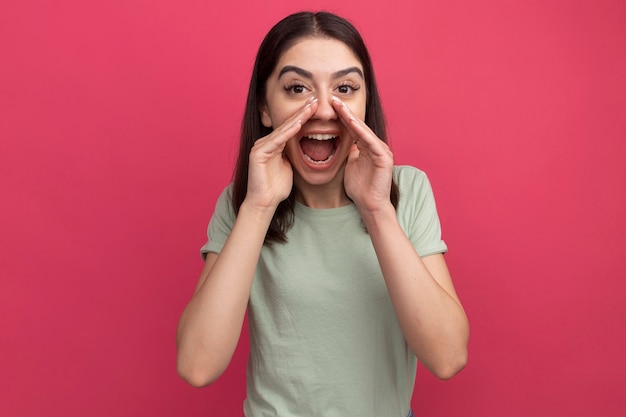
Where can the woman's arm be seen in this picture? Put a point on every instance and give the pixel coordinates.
(210, 325)
(428, 309)
(430, 314)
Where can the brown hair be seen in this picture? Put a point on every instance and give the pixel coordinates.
(280, 38)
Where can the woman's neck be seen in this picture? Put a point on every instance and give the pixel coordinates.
(323, 196)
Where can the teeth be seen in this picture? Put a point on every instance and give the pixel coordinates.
(321, 136)
(308, 158)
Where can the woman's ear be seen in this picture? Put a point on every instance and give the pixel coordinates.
(265, 115)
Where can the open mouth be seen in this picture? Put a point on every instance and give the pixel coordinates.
(319, 148)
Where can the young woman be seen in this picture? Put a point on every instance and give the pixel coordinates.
(335, 253)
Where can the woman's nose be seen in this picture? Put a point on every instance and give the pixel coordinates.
(325, 110)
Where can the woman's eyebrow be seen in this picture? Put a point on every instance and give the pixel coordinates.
(307, 74)
(291, 68)
(344, 72)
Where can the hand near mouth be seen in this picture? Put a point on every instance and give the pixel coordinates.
(369, 169)
(270, 175)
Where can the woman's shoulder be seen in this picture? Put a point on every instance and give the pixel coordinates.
(408, 170)
(227, 192)
(224, 204)
(408, 177)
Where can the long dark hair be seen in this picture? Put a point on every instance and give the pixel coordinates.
(280, 38)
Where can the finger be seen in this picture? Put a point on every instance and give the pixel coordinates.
(293, 124)
(277, 139)
(363, 135)
(353, 153)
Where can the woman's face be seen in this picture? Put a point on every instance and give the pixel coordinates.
(319, 67)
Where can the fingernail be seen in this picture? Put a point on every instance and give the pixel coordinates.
(311, 100)
(338, 100)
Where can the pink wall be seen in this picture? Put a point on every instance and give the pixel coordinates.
(118, 122)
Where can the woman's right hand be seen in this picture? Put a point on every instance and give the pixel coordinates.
(270, 175)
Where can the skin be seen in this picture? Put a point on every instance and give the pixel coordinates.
(421, 290)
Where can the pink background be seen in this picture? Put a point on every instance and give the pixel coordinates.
(118, 124)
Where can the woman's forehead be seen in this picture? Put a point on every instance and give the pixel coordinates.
(319, 53)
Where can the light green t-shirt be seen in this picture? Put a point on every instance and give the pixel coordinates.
(324, 338)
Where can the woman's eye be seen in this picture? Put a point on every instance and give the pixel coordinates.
(296, 89)
(346, 89)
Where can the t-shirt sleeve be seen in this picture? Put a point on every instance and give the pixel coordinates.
(221, 223)
(417, 211)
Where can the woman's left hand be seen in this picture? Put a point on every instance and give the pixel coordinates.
(369, 168)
